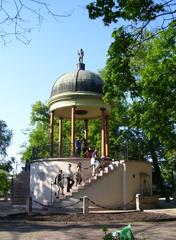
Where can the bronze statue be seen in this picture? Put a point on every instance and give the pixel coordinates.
(81, 55)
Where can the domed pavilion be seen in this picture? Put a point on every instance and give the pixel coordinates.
(78, 96)
(75, 96)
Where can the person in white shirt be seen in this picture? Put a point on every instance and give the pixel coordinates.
(95, 162)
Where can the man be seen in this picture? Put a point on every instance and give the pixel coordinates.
(59, 181)
(70, 180)
(78, 146)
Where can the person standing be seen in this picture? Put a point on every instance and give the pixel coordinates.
(95, 162)
(84, 146)
(70, 180)
(88, 153)
(78, 146)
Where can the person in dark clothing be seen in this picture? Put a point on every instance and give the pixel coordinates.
(70, 180)
(59, 181)
(78, 146)
(84, 146)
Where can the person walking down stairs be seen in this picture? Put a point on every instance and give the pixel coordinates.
(70, 176)
(78, 174)
(59, 181)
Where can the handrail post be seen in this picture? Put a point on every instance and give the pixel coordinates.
(29, 205)
(138, 202)
(85, 205)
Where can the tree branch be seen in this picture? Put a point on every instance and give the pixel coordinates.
(14, 18)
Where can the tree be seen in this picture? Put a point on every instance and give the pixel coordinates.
(5, 182)
(5, 176)
(135, 15)
(5, 165)
(38, 133)
(144, 75)
(5, 138)
(18, 18)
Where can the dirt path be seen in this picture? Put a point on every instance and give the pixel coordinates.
(151, 225)
(86, 231)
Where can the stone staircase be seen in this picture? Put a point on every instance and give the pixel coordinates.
(72, 199)
(20, 188)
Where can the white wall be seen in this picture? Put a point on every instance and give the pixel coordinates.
(113, 190)
(43, 173)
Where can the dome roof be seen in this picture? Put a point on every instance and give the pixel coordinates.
(82, 89)
(79, 81)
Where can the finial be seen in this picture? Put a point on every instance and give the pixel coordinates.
(81, 55)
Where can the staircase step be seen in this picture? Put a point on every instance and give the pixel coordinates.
(20, 188)
(80, 187)
(74, 190)
(70, 198)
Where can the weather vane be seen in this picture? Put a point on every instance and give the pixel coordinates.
(81, 55)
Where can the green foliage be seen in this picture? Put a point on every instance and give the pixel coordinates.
(168, 168)
(135, 16)
(113, 11)
(118, 67)
(150, 86)
(40, 114)
(38, 134)
(140, 84)
(5, 182)
(5, 168)
(38, 145)
(5, 137)
(158, 85)
(5, 165)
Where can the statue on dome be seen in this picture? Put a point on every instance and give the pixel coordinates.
(81, 55)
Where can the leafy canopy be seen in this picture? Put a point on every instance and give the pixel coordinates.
(135, 15)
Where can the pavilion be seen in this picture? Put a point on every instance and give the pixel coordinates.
(78, 96)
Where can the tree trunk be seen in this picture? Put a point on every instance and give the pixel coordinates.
(156, 168)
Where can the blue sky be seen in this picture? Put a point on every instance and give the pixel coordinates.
(29, 71)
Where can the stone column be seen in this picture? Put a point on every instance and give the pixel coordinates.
(73, 130)
(51, 134)
(106, 136)
(60, 137)
(103, 132)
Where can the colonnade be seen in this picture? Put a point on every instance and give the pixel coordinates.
(104, 133)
